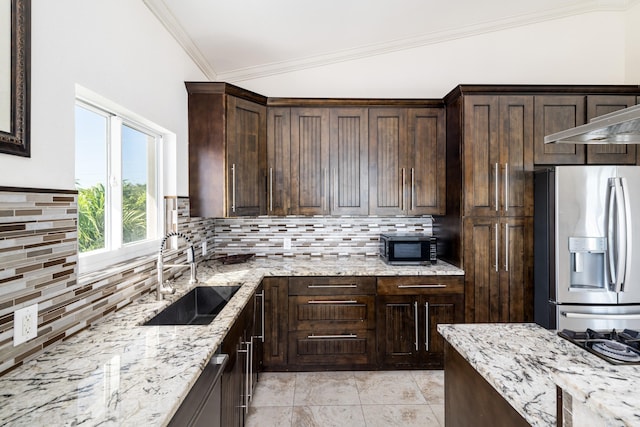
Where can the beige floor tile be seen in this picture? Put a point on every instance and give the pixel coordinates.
(431, 384)
(326, 388)
(388, 388)
(274, 389)
(269, 416)
(439, 411)
(399, 415)
(328, 416)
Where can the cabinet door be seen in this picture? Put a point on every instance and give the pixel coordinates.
(482, 286)
(516, 269)
(246, 157)
(278, 161)
(554, 113)
(309, 161)
(387, 171)
(603, 154)
(440, 309)
(426, 158)
(516, 156)
(397, 325)
(481, 156)
(349, 162)
(275, 322)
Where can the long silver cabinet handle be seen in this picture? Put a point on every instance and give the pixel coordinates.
(413, 189)
(335, 189)
(233, 187)
(270, 189)
(262, 314)
(326, 337)
(421, 286)
(426, 326)
(628, 316)
(326, 189)
(506, 247)
(403, 179)
(496, 185)
(415, 313)
(497, 253)
(506, 187)
(331, 286)
(352, 301)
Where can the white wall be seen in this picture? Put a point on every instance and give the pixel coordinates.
(633, 45)
(583, 49)
(116, 48)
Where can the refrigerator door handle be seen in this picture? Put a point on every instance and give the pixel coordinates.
(621, 248)
(628, 236)
(625, 316)
(611, 196)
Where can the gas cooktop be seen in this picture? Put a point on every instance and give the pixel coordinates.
(619, 348)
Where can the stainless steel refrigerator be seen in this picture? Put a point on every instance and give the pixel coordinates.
(587, 247)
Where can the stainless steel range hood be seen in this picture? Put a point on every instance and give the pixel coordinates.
(619, 127)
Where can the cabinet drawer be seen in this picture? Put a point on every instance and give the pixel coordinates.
(417, 285)
(331, 312)
(332, 285)
(345, 349)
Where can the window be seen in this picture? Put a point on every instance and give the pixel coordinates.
(119, 197)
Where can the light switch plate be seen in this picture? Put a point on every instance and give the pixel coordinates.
(286, 243)
(25, 324)
(204, 248)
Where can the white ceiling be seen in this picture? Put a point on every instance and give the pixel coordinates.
(237, 40)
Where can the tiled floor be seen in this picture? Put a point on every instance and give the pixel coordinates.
(350, 399)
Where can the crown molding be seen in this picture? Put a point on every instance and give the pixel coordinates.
(159, 8)
(164, 15)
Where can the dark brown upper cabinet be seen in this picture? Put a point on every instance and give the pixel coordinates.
(406, 161)
(309, 161)
(227, 150)
(278, 161)
(498, 155)
(349, 161)
(623, 154)
(554, 113)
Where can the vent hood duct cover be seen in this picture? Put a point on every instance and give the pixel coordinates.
(619, 127)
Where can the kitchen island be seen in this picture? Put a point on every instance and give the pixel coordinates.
(524, 364)
(118, 372)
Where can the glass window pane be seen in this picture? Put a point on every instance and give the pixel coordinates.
(91, 178)
(136, 183)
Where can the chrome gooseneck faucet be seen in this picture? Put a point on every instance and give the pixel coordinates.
(165, 288)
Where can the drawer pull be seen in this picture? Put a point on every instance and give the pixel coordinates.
(421, 286)
(353, 285)
(351, 301)
(325, 337)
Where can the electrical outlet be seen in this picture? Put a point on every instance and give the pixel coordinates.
(25, 324)
(204, 248)
(286, 243)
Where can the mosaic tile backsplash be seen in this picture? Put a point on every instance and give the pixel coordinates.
(39, 259)
(318, 236)
(39, 264)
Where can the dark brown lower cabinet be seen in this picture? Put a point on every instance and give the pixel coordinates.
(276, 304)
(408, 312)
(332, 323)
(469, 400)
(243, 344)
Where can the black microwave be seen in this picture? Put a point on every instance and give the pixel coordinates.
(408, 249)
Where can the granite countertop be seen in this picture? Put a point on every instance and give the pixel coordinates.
(118, 372)
(524, 362)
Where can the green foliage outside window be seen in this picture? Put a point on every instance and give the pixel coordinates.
(91, 215)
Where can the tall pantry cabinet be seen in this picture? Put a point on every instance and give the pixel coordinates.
(491, 196)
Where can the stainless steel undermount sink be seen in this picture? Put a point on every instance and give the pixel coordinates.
(199, 306)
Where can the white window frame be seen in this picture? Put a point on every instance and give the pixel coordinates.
(115, 250)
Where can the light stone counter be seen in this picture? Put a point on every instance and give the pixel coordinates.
(120, 373)
(524, 362)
